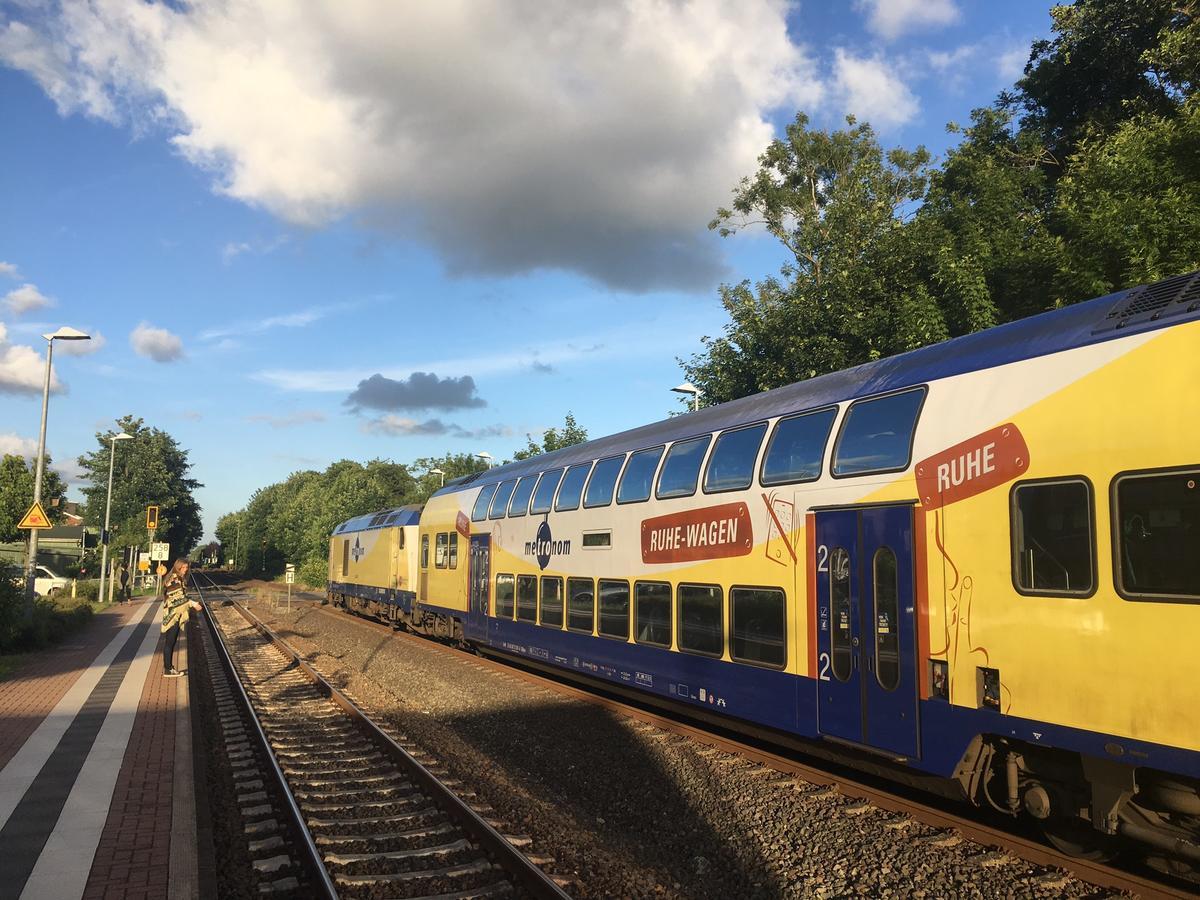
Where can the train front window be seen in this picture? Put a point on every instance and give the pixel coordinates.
(520, 498)
(797, 447)
(653, 613)
(479, 512)
(500, 502)
(682, 468)
(504, 596)
(552, 601)
(581, 604)
(571, 491)
(543, 497)
(1053, 539)
(526, 598)
(1157, 524)
(731, 467)
(701, 619)
(603, 480)
(877, 435)
(841, 630)
(639, 476)
(758, 632)
(439, 554)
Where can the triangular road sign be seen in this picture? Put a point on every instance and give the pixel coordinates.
(35, 518)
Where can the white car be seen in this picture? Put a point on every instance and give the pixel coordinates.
(46, 583)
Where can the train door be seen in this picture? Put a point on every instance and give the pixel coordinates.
(866, 627)
(479, 585)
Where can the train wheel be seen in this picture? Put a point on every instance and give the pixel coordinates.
(1078, 838)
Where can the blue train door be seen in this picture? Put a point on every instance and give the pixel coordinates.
(866, 627)
(479, 586)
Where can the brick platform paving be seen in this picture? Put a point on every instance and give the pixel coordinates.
(29, 694)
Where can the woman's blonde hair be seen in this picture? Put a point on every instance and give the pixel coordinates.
(178, 565)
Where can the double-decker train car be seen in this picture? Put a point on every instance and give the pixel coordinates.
(373, 563)
(975, 566)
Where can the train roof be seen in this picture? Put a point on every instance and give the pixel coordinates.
(1131, 311)
(384, 518)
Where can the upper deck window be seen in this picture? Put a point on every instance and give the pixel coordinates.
(1156, 520)
(603, 480)
(731, 467)
(500, 501)
(682, 468)
(639, 476)
(479, 513)
(571, 491)
(543, 497)
(877, 435)
(520, 498)
(797, 447)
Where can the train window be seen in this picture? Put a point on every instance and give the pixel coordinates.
(887, 619)
(701, 619)
(877, 435)
(581, 605)
(500, 502)
(841, 636)
(345, 556)
(603, 480)
(652, 609)
(797, 447)
(639, 476)
(552, 601)
(439, 554)
(1052, 537)
(452, 554)
(682, 468)
(1156, 518)
(614, 609)
(758, 629)
(424, 551)
(527, 598)
(731, 467)
(543, 497)
(479, 513)
(571, 491)
(504, 596)
(520, 498)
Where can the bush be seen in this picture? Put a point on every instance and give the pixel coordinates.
(88, 590)
(51, 623)
(313, 572)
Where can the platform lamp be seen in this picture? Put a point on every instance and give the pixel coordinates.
(486, 457)
(104, 535)
(688, 388)
(63, 334)
(441, 475)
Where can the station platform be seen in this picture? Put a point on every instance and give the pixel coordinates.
(97, 785)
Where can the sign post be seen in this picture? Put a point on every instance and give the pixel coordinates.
(289, 575)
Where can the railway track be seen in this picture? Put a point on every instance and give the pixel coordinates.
(875, 793)
(370, 819)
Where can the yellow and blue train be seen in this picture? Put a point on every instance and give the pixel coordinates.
(975, 566)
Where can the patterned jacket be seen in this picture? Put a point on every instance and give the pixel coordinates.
(175, 603)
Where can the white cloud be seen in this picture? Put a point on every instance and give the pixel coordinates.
(1010, 64)
(157, 344)
(81, 348)
(289, 420)
(892, 18)
(15, 445)
(25, 299)
(512, 135)
(947, 60)
(23, 369)
(873, 90)
(233, 249)
(298, 319)
(9, 269)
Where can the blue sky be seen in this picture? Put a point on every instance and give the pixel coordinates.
(260, 206)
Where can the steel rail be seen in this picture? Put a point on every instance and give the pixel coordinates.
(313, 860)
(524, 873)
(1029, 850)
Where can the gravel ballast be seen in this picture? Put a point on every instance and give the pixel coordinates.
(625, 809)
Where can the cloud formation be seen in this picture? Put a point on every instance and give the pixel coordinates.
(9, 270)
(421, 390)
(157, 344)
(289, 420)
(23, 369)
(298, 319)
(591, 138)
(26, 298)
(399, 426)
(81, 348)
(14, 445)
(872, 89)
(892, 18)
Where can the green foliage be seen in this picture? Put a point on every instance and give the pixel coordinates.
(16, 494)
(554, 439)
(151, 469)
(1095, 188)
(454, 465)
(51, 622)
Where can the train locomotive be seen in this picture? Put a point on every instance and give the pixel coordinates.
(973, 567)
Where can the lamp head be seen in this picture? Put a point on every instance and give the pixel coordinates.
(67, 334)
(687, 388)
(122, 437)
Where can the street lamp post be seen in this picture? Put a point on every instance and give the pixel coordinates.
(486, 457)
(105, 537)
(441, 475)
(688, 388)
(63, 334)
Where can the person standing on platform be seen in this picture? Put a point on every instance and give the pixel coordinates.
(175, 607)
(122, 582)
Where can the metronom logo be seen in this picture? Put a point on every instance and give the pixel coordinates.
(544, 546)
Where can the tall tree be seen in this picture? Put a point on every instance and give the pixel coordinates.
(452, 466)
(16, 494)
(554, 439)
(150, 470)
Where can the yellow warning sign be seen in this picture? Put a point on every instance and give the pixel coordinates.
(35, 518)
